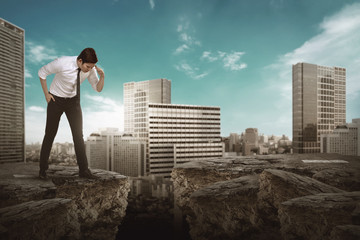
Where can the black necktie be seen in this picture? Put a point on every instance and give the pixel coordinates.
(78, 84)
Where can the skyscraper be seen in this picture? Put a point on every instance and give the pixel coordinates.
(319, 104)
(137, 95)
(12, 93)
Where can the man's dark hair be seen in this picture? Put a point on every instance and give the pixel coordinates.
(88, 55)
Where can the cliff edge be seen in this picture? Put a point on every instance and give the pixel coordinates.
(307, 196)
(62, 207)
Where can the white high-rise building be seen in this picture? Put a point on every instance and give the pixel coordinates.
(137, 95)
(344, 139)
(12, 93)
(182, 133)
(113, 151)
(319, 104)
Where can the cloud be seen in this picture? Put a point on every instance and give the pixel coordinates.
(36, 109)
(230, 61)
(181, 49)
(39, 53)
(336, 44)
(27, 73)
(152, 4)
(192, 72)
(34, 125)
(104, 112)
(208, 56)
(276, 4)
(186, 39)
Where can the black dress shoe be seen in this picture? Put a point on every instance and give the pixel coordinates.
(87, 174)
(42, 175)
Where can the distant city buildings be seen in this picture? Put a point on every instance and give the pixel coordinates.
(151, 186)
(63, 148)
(345, 139)
(319, 104)
(114, 151)
(12, 92)
(252, 143)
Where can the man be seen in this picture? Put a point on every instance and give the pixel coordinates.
(64, 96)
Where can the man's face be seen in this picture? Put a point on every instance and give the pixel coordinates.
(85, 67)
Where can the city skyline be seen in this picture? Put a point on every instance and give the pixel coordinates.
(239, 53)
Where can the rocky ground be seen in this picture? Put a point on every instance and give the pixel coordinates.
(62, 207)
(304, 196)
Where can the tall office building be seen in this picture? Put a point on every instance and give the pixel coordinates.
(12, 93)
(137, 95)
(113, 151)
(181, 133)
(319, 104)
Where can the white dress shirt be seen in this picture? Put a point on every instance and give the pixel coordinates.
(65, 70)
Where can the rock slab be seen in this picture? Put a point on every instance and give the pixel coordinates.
(44, 219)
(315, 216)
(91, 208)
(224, 210)
(200, 185)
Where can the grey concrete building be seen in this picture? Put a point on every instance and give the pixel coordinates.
(12, 93)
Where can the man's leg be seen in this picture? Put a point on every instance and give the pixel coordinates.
(54, 112)
(74, 115)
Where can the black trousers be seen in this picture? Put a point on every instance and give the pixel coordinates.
(72, 109)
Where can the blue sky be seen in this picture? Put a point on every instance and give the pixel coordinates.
(233, 54)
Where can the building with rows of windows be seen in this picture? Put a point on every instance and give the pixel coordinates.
(182, 133)
(319, 104)
(114, 151)
(343, 140)
(12, 93)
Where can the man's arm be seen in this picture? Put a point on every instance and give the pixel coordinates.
(48, 96)
(50, 68)
(100, 84)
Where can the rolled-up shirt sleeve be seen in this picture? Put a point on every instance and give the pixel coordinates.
(93, 79)
(50, 68)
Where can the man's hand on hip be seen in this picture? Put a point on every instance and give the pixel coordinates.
(49, 97)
